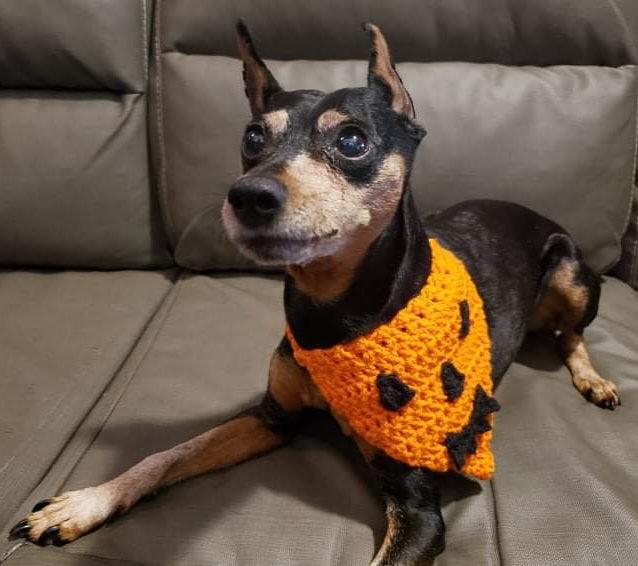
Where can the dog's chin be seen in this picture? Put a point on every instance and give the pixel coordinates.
(272, 250)
(277, 247)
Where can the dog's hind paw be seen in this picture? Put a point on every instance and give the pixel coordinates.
(63, 519)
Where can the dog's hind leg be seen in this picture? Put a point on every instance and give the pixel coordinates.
(266, 426)
(415, 531)
(568, 302)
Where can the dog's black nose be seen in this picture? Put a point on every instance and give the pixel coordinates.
(256, 200)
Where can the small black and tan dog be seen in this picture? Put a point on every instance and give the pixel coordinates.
(325, 192)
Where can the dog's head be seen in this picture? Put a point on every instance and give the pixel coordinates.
(322, 171)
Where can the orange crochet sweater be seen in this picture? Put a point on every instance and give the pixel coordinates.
(418, 387)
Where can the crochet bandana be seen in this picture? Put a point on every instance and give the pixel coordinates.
(418, 387)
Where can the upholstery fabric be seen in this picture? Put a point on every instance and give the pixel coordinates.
(627, 267)
(115, 112)
(558, 139)
(75, 185)
(62, 337)
(75, 188)
(74, 44)
(511, 32)
(567, 499)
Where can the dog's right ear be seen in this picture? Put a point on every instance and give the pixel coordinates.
(258, 80)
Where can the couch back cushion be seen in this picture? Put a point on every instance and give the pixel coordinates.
(75, 189)
(559, 138)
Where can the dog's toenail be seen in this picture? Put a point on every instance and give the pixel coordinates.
(49, 535)
(40, 505)
(20, 530)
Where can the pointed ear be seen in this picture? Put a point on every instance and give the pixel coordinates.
(258, 80)
(382, 74)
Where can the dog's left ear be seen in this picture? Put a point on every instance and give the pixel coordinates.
(258, 80)
(383, 75)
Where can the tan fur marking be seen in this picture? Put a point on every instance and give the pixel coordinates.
(291, 385)
(320, 200)
(563, 302)
(77, 512)
(367, 450)
(585, 378)
(330, 119)
(239, 439)
(254, 77)
(381, 66)
(390, 534)
(561, 307)
(328, 277)
(277, 122)
(547, 312)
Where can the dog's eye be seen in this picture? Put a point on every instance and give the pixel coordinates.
(254, 141)
(352, 142)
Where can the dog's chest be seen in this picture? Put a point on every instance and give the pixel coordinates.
(419, 387)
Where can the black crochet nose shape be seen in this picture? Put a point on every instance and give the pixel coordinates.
(256, 200)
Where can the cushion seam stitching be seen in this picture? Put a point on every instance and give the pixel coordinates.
(144, 36)
(159, 102)
(633, 274)
(632, 173)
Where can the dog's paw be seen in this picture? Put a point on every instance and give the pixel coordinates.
(601, 392)
(63, 519)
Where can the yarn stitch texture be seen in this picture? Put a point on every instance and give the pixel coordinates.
(434, 330)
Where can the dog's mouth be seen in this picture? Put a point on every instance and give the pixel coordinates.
(276, 249)
(280, 244)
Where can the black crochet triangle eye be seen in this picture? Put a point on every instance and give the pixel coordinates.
(393, 393)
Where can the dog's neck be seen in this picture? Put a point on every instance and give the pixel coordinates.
(380, 280)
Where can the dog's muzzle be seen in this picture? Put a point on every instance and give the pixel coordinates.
(256, 201)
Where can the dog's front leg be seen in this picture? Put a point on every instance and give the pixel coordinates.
(416, 532)
(64, 518)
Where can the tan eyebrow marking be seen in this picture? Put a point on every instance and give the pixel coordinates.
(330, 118)
(277, 122)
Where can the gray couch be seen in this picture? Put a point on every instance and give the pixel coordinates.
(128, 323)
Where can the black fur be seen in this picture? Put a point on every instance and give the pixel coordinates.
(397, 263)
(271, 86)
(502, 246)
(392, 272)
(508, 250)
(414, 495)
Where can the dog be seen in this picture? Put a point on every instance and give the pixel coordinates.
(325, 192)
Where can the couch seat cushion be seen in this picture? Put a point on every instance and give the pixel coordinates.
(63, 336)
(563, 490)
